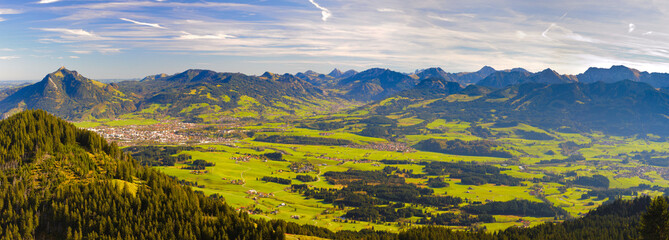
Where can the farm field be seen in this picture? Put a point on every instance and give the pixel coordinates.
(552, 172)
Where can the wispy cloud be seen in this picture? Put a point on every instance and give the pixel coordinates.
(521, 34)
(324, 11)
(440, 18)
(77, 32)
(189, 36)
(82, 51)
(9, 11)
(73, 34)
(545, 32)
(456, 36)
(99, 48)
(154, 25)
(47, 1)
(562, 33)
(8, 57)
(389, 10)
(631, 28)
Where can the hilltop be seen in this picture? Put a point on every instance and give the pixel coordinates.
(70, 95)
(198, 95)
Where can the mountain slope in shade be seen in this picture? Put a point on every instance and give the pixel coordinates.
(435, 73)
(70, 95)
(317, 79)
(620, 108)
(502, 79)
(375, 84)
(623, 107)
(325, 80)
(473, 77)
(613, 74)
(432, 88)
(620, 73)
(464, 78)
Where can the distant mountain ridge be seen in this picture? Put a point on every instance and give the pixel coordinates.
(325, 80)
(195, 93)
(465, 78)
(502, 79)
(376, 83)
(620, 73)
(618, 108)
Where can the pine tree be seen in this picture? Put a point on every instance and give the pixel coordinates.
(655, 221)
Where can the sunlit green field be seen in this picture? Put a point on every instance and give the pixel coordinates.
(235, 179)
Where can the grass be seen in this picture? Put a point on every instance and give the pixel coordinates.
(219, 177)
(485, 192)
(121, 185)
(86, 124)
(339, 158)
(127, 122)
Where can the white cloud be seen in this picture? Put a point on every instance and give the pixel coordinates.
(389, 10)
(91, 48)
(2, 19)
(521, 34)
(545, 32)
(459, 36)
(647, 33)
(53, 40)
(47, 1)
(562, 33)
(76, 32)
(189, 36)
(82, 51)
(6, 50)
(9, 11)
(74, 57)
(71, 35)
(440, 18)
(324, 11)
(631, 28)
(108, 50)
(8, 57)
(154, 25)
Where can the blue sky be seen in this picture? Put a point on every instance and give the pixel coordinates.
(132, 39)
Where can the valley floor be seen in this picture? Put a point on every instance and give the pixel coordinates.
(239, 164)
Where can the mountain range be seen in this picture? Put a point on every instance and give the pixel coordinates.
(618, 99)
(194, 93)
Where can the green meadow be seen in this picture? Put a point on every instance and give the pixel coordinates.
(239, 182)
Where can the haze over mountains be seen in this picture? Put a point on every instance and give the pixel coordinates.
(203, 95)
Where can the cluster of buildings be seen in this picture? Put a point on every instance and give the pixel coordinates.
(641, 172)
(391, 146)
(171, 132)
